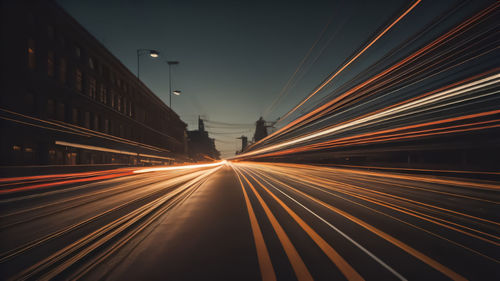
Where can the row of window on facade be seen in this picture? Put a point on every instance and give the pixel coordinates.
(65, 156)
(92, 63)
(86, 119)
(94, 90)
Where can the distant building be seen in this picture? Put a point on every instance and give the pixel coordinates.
(201, 147)
(244, 144)
(260, 130)
(65, 99)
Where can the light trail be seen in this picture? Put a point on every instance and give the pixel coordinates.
(292, 219)
(396, 242)
(347, 270)
(163, 192)
(325, 185)
(377, 259)
(170, 168)
(300, 269)
(410, 106)
(75, 130)
(335, 74)
(321, 111)
(62, 182)
(265, 264)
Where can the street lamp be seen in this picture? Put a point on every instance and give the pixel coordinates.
(177, 92)
(151, 53)
(170, 63)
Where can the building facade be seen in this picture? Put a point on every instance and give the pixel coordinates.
(66, 100)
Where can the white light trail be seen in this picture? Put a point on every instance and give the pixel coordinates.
(460, 90)
(147, 170)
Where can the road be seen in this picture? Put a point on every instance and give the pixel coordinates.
(249, 221)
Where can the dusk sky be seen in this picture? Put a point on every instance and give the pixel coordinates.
(237, 56)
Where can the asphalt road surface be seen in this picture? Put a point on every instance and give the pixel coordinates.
(249, 221)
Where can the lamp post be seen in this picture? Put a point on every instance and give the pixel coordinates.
(170, 63)
(152, 53)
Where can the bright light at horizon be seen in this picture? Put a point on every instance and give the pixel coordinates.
(223, 162)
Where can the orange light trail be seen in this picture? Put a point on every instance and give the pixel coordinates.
(384, 31)
(322, 110)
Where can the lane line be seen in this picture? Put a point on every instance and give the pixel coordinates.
(300, 269)
(385, 182)
(347, 270)
(449, 182)
(265, 264)
(382, 263)
(344, 188)
(392, 217)
(444, 223)
(417, 254)
(356, 187)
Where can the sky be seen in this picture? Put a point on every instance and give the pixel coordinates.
(237, 56)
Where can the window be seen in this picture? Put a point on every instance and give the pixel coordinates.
(31, 54)
(78, 51)
(62, 70)
(60, 111)
(92, 88)
(29, 103)
(106, 126)
(125, 105)
(50, 108)
(91, 63)
(102, 93)
(78, 80)
(74, 116)
(112, 99)
(86, 120)
(96, 123)
(119, 103)
(50, 64)
(52, 156)
(140, 114)
(130, 109)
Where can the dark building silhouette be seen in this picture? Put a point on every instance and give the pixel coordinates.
(201, 146)
(260, 130)
(244, 143)
(65, 99)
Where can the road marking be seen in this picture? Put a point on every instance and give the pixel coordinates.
(347, 270)
(265, 264)
(419, 255)
(392, 217)
(393, 271)
(300, 269)
(414, 213)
